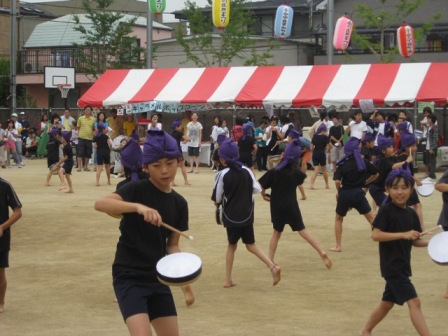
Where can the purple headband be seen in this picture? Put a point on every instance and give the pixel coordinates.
(67, 135)
(403, 127)
(384, 142)
(131, 158)
(351, 149)
(290, 155)
(134, 136)
(228, 151)
(322, 127)
(175, 124)
(402, 172)
(407, 139)
(247, 131)
(159, 145)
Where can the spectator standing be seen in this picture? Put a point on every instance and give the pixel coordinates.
(115, 123)
(194, 137)
(86, 129)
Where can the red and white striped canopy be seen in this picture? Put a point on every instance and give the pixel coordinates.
(385, 84)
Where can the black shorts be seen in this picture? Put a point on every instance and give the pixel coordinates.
(246, 159)
(246, 233)
(378, 194)
(352, 198)
(137, 294)
(68, 166)
(51, 162)
(193, 151)
(399, 290)
(297, 226)
(103, 158)
(319, 159)
(84, 148)
(4, 259)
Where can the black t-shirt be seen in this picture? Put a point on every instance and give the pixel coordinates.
(178, 136)
(384, 166)
(395, 255)
(234, 189)
(102, 143)
(8, 199)
(53, 149)
(68, 151)
(349, 175)
(283, 185)
(246, 145)
(141, 244)
(337, 132)
(320, 142)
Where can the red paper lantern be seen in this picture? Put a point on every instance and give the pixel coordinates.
(342, 33)
(405, 40)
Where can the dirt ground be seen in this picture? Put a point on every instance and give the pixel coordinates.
(62, 251)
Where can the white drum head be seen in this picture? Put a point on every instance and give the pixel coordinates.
(426, 189)
(438, 248)
(179, 269)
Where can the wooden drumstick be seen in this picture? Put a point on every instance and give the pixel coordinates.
(274, 147)
(169, 227)
(428, 231)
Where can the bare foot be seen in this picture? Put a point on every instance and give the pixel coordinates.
(364, 333)
(188, 295)
(312, 188)
(327, 187)
(108, 182)
(61, 188)
(229, 284)
(303, 198)
(2, 308)
(196, 172)
(276, 274)
(327, 261)
(190, 171)
(47, 184)
(70, 191)
(336, 249)
(187, 183)
(115, 300)
(97, 184)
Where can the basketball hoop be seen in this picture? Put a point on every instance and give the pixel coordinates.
(64, 88)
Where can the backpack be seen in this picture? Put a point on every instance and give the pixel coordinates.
(237, 132)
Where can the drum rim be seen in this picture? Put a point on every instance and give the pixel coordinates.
(180, 281)
(420, 192)
(432, 242)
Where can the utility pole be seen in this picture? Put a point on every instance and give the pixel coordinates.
(330, 25)
(12, 53)
(148, 37)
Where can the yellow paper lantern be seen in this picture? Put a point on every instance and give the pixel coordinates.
(221, 13)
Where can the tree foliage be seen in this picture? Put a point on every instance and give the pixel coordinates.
(386, 16)
(206, 48)
(108, 41)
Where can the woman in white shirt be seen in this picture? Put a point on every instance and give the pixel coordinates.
(155, 125)
(194, 136)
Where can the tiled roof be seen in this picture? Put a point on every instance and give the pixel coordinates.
(60, 33)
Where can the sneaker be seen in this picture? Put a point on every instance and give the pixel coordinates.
(22, 163)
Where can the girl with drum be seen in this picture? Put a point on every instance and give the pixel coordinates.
(283, 181)
(145, 205)
(397, 228)
(234, 189)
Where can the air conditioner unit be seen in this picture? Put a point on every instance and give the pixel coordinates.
(30, 67)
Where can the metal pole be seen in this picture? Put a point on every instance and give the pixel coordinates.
(148, 38)
(12, 53)
(330, 24)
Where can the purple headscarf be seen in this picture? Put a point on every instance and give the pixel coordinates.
(134, 136)
(290, 155)
(384, 142)
(54, 131)
(175, 124)
(403, 127)
(159, 145)
(101, 128)
(228, 151)
(67, 135)
(369, 137)
(132, 157)
(294, 134)
(221, 138)
(322, 127)
(247, 131)
(407, 139)
(351, 149)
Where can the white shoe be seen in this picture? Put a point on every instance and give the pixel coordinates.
(22, 163)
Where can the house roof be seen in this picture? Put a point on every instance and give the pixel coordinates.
(60, 32)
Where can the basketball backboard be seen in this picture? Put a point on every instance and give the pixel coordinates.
(57, 75)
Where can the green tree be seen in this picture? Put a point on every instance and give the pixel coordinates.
(386, 15)
(108, 43)
(206, 48)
